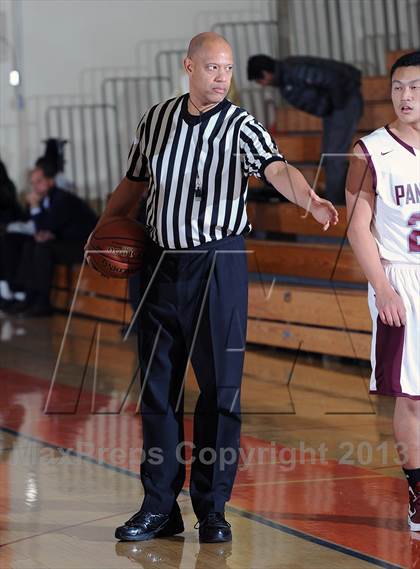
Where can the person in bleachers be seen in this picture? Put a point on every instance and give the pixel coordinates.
(62, 223)
(10, 211)
(21, 230)
(54, 155)
(326, 88)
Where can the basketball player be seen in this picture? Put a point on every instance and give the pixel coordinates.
(192, 157)
(383, 202)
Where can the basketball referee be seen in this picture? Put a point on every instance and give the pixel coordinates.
(191, 159)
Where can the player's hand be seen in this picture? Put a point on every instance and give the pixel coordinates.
(323, 211)
(390, 307)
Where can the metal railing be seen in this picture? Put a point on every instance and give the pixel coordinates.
(145, 51)
(93, 167)
(35, 111)
(131, 97)
(358, 32)
(249, 38)
(261, 10)
(91, 78)
(169, 63)
(261, 103)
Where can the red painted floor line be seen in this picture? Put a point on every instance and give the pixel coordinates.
(352, 506)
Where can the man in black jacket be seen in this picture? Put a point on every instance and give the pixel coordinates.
(10, 211)
(325, 88)
(62, 223)
(10, 208)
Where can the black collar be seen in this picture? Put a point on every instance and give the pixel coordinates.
(195, 119)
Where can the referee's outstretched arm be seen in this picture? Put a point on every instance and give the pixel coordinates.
(291, 183)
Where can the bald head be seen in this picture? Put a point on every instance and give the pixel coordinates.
(209, 65)
(207, 41)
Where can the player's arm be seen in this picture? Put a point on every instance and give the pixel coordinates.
(292, 184)
(360, 198)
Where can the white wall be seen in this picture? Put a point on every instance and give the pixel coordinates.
(60, 39)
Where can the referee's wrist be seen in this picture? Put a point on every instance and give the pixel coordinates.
(308, 200)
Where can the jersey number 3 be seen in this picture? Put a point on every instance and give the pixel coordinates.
(414, 236)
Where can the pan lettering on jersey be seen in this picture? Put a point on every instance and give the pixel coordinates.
(407, 194)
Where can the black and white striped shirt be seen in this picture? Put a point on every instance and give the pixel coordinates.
(198, 168)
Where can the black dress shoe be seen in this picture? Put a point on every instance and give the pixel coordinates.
(214, 528)
(145, 525)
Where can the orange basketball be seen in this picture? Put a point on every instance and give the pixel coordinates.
(116, 247)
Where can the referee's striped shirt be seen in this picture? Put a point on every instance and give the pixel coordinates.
(197, 168)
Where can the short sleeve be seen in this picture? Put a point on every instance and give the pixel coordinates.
(258, 149)
(137, 167)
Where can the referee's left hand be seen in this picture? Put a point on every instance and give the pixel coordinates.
(323, 211)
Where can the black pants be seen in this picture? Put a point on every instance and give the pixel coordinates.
(338, 131)
(12, 246)
(196, 305)
(30, 265)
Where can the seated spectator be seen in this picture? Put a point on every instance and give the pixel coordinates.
(62, 223)
(10, 208)
(54, 156)
(10, 211)
(325, 88)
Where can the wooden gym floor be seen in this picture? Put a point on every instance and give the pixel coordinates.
(318, 483)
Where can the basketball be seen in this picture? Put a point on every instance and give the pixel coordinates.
(116, 247)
